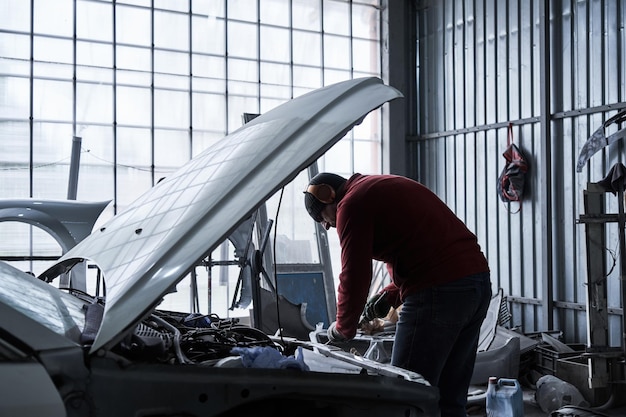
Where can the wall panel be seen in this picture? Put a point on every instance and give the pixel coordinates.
(480, 68)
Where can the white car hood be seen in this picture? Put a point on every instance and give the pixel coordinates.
(152, 245)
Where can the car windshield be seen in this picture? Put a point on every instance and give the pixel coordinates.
(42, 302)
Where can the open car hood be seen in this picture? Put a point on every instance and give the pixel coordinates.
(147, 249)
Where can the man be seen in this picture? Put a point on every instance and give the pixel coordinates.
(438, 271)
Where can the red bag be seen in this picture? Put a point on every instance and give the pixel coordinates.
(513, 176)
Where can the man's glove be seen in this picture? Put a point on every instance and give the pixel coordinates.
(376, 307)
(334, 335)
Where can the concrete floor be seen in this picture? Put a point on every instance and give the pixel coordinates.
(532, 409)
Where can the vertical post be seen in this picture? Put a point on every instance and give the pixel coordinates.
(72, 186)
(545, 162)
(622, 253)
(77, 278)
(398, 55)
(597, 304)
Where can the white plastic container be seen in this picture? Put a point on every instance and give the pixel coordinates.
(504, 398)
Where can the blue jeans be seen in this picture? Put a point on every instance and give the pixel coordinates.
(437, 336)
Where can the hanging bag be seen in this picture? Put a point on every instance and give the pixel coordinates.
(512, 178)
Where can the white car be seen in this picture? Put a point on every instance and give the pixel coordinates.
(67, 353)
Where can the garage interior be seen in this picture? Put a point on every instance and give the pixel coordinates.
(102, 99)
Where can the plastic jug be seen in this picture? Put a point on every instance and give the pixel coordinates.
(504, 398)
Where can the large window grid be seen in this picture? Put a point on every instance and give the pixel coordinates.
(148, 84)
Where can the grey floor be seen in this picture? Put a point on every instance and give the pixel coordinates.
(532, 409)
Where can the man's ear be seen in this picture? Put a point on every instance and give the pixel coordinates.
(323, 192)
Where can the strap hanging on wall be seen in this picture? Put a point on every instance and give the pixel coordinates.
(512, 179)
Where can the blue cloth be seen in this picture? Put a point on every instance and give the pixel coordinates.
(268, 357)
(437, 337)
(197, 320)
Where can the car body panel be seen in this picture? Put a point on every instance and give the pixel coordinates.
(28, 391)
(145, 250)
(38, 313)
(228, 392)
(67, 221)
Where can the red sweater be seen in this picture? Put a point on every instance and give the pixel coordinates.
(402, 223)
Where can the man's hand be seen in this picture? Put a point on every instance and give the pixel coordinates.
(376, 307)
(334, 335)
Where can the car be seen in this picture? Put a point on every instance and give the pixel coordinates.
(65, 352)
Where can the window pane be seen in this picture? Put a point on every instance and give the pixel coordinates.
(366, 56)
(333, 76)
(13, 46)
(52, 150)
(134, 148)
(209, 67)
(133, 26)
(365, 22)
(208, 35)
(367, 159)
(171, 30)
(13, 98)
(208, 7)
(52, 143)
(14, 159)
(95, 74)
(45, 70)
(335, 13)
(243, 70)
(242, 40)
(53, 50)
(171, 109)
(171, 62)
(275, 93)
(306, 48)
(54, 17)
(171, 150)
(52, 100)
(94, 20)
(306, 14)
(95, 179)
(143, 3)
(94, 54)
(94, 103)
(15, 15)
(337, 52)
(134, 106)
(279, 74)
(209, 112)
(179, 5)
(242, 10)
(275, 12)
(138, 59)
(335, 159)
(167, 81)
(307, 77)
(275, 44)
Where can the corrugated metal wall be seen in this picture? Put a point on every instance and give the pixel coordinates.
(556, 71)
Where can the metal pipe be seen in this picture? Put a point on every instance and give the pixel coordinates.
(72, 186)
(622, 250)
